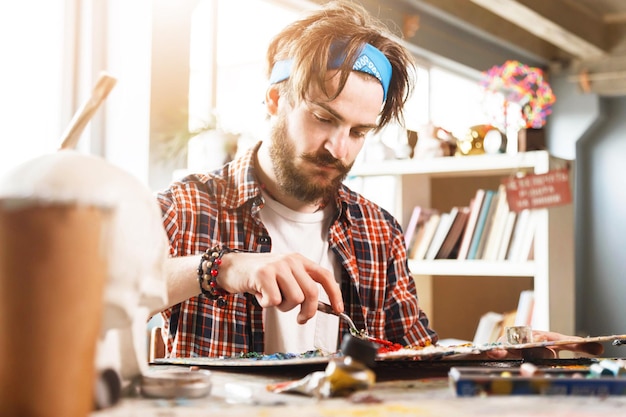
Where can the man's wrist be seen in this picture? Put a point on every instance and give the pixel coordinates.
(208, 271)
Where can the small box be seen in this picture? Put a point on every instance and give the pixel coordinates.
(472, 381)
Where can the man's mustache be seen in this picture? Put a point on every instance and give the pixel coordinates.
(326, 159)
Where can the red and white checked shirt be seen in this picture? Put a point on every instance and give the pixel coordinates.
(223, 207)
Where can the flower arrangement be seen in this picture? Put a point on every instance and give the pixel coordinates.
(524, 85)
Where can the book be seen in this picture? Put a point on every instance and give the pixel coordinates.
(445, 221)
(527, 238)
(516, 238)
(450, 244)
(482, 242)
(508, 320)
(523, 236)
(505, 243)
(427, 236)
(418, 234)
(468, 233)
(493, 239)
(412, 226)
(525, 305)
(488, 329)
(480, 224)
(417, 238)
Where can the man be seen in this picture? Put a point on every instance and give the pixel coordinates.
(256, 244)
(286, 230)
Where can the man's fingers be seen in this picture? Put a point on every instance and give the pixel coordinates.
(327, 280)
(499, 354)
(591, 348)
(310, 294)
(538, 353)
(267, 290)
(287, 281)
(268, 298)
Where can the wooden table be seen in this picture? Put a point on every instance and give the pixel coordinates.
(243, 393)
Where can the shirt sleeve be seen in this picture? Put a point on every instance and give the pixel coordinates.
(406, 322)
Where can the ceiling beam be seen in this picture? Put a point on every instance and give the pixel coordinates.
(494, 29)
(439, 37)
(542, 27)
(568, 14)
(614, 18)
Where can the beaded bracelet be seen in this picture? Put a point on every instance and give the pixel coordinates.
(207, 274)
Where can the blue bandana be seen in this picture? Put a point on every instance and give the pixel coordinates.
(370, 61)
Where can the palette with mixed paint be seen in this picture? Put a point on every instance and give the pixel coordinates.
(439, 351)
(254, 359)
(387, 352)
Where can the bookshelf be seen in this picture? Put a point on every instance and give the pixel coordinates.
(456, 293)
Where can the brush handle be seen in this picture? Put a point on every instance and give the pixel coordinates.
(101, 90)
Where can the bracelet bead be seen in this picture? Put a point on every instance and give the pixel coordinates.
(208, 270)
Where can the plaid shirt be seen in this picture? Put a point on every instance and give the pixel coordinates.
(223, 207)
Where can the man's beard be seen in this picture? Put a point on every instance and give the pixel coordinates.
(294, 181)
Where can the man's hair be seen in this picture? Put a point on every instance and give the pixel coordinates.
(308, 43)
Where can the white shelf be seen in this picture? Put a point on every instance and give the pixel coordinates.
(428, 183)
(500, 164)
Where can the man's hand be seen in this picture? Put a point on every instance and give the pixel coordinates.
(284, 281)
(589, 348)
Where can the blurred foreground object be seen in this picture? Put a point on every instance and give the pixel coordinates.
(343, 375)
(85, 113)
(53, 270)
(133, 257)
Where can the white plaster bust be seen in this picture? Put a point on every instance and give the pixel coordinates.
(139, 246)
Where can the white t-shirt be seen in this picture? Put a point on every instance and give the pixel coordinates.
(307, 234)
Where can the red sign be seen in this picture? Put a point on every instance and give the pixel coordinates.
(538, 190)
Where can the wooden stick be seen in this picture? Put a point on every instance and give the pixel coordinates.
(72, 133)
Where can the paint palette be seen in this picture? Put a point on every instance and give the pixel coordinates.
(438, 351)
(433, 352)
(264, 362)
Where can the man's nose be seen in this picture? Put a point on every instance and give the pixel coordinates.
(337, 144)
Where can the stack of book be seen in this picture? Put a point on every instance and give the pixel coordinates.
(484, 229)
(492, 325)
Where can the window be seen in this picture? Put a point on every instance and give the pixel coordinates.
(36, 104)
(241, 40)
(456, 102)
(442, 97)
(30, 79)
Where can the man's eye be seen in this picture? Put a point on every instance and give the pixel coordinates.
(321, 119)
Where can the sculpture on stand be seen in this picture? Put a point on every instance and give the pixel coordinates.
(522, 87)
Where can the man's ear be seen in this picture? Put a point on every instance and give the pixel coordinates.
(271, 100)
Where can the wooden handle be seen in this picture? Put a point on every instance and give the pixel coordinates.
(103, 87)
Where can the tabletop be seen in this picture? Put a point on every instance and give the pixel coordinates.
(400, 391)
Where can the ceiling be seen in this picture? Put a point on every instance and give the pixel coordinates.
(587, 38)
(583, 40)
(553, 30)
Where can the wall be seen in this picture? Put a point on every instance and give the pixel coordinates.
(589, 129)
(601, 215)
(573, 115)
